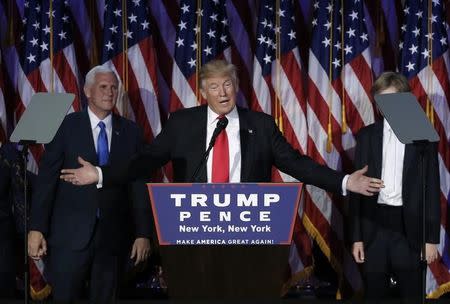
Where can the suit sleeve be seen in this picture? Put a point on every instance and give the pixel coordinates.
(142, 215)
(47, 183)
(301, 166)
(361, 159)
(146, 161)
(433, 216)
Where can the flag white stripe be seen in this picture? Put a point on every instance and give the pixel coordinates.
(261, 89)
(357, 95)
(182, 88)
(146, 89)
(321, 81)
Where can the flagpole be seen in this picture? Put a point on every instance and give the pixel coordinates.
(124, 59)
(429, 105)
(198, 38)
(344, 119)
(52, 72)
(330, 75)
(125, 49)
(94, 50)
(278, 105)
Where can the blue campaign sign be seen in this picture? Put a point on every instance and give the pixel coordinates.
(224, 214)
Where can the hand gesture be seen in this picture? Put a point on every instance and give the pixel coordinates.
(359, 183)
(85, 175)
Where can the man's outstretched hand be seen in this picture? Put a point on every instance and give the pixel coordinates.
(359, 183)
(85, 175)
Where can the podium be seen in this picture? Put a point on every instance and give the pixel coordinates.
(225, 241)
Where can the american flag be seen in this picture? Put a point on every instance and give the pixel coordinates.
(175, 85)
(202, 35)
(47, 57)
(129, 50)
(425, 61)
(382, 21)
(339, 104)
(278, 86)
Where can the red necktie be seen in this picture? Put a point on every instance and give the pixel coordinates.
(220, 162)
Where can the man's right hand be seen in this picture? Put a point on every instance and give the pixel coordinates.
(85, 175)
(359, 183)
(37, 246)
(358, 252)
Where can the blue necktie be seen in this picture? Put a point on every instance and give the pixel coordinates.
(102, 145)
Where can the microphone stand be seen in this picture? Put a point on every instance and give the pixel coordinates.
(221, 125)
(421, 146)
(26, 271)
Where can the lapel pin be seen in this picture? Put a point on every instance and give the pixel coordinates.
(250, 131)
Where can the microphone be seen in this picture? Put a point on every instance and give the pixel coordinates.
(221, 125)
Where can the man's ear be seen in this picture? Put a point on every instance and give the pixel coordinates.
(87, 92)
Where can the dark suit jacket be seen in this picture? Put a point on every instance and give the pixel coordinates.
(183, 141)
(369, 150)
(66, 214)
(9, 157)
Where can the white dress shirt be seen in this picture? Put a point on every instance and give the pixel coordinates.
(95, 131)
(391, 168)
(234, 144)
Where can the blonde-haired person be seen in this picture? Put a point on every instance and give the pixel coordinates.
(384, 228)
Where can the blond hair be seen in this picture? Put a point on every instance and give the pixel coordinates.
(217, 68)
(390, 79)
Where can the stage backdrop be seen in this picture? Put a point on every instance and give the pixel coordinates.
(308, 63)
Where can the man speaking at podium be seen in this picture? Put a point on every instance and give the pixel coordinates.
(246, 144)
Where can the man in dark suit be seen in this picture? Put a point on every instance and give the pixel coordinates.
(386, 228)
(244, 151)
(251, 140)
(86, 227)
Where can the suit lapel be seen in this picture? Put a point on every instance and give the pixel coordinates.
(377, 147)
(114, 152)
(246, 140)
(87, 147)
(410, 153)
(198, 147)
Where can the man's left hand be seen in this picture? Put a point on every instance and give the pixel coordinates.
(359, 183)
(141, 250)
(431, 252)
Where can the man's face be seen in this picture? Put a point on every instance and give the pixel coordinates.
(102, 94)
(220, 93)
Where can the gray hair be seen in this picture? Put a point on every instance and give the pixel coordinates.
(99, 69)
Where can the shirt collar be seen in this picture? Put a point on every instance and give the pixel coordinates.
(95, 120)
(212, 116)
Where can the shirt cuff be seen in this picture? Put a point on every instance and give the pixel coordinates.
(344, 185)
(100, 178)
